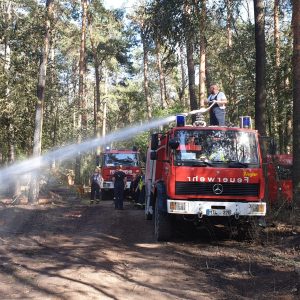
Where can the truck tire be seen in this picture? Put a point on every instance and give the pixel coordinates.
(162, 225)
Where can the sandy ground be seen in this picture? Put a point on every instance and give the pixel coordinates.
(71, 250)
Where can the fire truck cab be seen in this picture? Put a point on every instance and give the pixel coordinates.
(111, 159)
(200, 172)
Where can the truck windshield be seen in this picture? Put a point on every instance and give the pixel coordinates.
(236, 149)
(124, 159)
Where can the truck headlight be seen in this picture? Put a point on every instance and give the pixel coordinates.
(258, 208)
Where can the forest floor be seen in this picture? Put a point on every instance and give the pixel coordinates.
(69, 249)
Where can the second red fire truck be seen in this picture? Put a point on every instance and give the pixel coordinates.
(109, 161)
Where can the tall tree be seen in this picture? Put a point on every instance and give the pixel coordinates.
(260, 70)
(141, 20)
(280, 111)
(38, 129)
(189, 40)
(97, 80)
(182, 96)
(161, 74)
(201, 14)
(296, 104)
(82, 104)
(82, 124)
(144, 38)
(14, 186)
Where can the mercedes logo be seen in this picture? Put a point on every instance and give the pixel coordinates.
(218, 189)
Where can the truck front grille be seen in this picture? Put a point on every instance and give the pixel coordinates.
(207, 188)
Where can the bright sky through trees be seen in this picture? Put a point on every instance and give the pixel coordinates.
(118, 3)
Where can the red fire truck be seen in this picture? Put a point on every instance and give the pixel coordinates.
(201, 173)
(110, 159)
(279, 181)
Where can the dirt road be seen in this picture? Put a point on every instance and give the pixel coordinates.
(71, 250)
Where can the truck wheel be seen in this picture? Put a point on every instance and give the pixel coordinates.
(162, 225)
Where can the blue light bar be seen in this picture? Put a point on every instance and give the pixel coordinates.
(245, 122)
(180, 120)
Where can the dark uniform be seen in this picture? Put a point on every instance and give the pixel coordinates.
(119, 185)
(134, 189)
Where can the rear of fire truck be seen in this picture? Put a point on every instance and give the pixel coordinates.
(110, 160)
(279, 183)
(200, 173)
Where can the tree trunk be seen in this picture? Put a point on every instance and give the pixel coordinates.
(202, 77)
(54, 103)
(202, 55)
(183, 79)
(280, 109)
(276, 33)
(288, 119)
(37, 140)
(296, 105)
(191, 74)
(260, 95)
(82, 116)
(161, 75)
(97, 101)
(146, 80)
(228, 23)
(14, 185)
(190, 59)
(82, 68)
(7, 50)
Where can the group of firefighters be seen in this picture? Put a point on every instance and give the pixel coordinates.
(136, 191)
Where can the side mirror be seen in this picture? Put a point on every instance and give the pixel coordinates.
(173, 144)
(154, 141)
(153, 155)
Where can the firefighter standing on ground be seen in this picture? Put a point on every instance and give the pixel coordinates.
(133, 187)
(96, 184)
(217, 111)
(119, 179)
(141, 188)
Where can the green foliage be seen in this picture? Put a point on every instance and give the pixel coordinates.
(117, 42)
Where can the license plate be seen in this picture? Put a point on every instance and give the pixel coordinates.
(218, 212)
